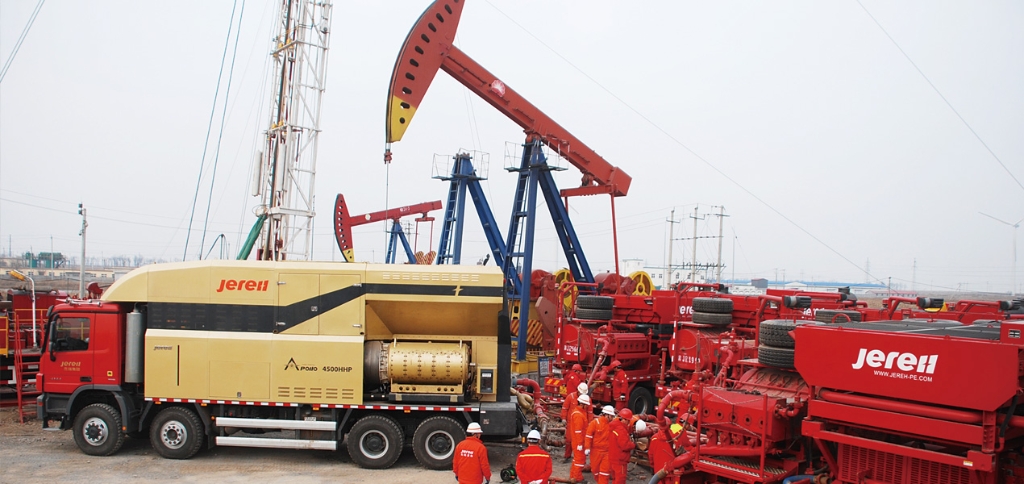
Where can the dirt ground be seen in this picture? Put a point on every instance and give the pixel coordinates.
(30, 454)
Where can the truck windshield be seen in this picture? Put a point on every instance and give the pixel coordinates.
(71, 334)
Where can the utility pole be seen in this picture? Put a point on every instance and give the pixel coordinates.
(721, 218)
(81, 266)
(913, 280)
(1015, 226)
(734, 258)
(668, 266)
(693, 265)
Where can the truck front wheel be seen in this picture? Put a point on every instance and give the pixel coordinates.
(176, 433)
(98, 430)
(434, 442)
(375, 442)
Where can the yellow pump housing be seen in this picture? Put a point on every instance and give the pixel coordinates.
(315, 332)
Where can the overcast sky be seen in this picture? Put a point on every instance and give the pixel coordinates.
(829, 150)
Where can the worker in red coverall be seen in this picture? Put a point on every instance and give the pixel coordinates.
(576, 433)
(573, 377)
(567, 406)
(660, 451)
(533, 465)
(598, 436)
(620, 446)
(470, 461)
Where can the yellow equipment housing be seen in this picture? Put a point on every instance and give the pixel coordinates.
(316, 332)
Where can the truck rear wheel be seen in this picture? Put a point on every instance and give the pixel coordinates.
(434, 442)
(176, 433)
(98, 430)
(375, 442)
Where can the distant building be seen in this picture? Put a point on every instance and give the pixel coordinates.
(757, 286)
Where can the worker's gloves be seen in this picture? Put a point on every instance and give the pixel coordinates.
(487, 481)
(587, 452)
(580, 448)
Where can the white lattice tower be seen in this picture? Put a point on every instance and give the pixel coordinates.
(287, 164)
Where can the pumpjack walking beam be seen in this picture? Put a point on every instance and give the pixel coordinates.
(430, 47)
(343, 223)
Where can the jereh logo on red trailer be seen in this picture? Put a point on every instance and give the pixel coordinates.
(924, 364)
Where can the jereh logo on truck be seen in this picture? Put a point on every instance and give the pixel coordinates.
(242, 285)
(904, 361)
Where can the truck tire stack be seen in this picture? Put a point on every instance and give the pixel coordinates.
(777, 346)
(597, 308)
(829, 316)
(712, 310)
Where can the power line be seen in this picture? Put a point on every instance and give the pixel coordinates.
(683, 145)
(950, 105)
(92, 216)
(220, 135)
(209, 128)
(24, 33)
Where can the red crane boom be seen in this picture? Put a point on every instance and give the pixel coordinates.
(429, 47)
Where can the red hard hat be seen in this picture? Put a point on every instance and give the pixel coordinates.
(577, 367)
(626, 413)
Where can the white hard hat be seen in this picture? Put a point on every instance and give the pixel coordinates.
(641, 425)
(582, 388)
(533, 435)
(583, 399)
(474, 428)
(608, 410)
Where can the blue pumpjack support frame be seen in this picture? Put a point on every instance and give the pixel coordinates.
(534, 173)
(397, 234)
(464, 179)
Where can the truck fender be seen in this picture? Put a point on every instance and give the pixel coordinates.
(129, 412)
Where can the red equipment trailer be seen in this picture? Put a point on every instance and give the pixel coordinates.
(633, 348)
(915, 401)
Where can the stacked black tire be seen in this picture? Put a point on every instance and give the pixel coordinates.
(777, 346)
(829, 316)
(596, 308)
(712, 310)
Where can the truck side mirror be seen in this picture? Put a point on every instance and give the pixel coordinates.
(51, 332)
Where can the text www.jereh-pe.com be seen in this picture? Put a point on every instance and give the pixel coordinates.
(903, 376)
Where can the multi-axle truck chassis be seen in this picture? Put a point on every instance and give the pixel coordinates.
(284, 355)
